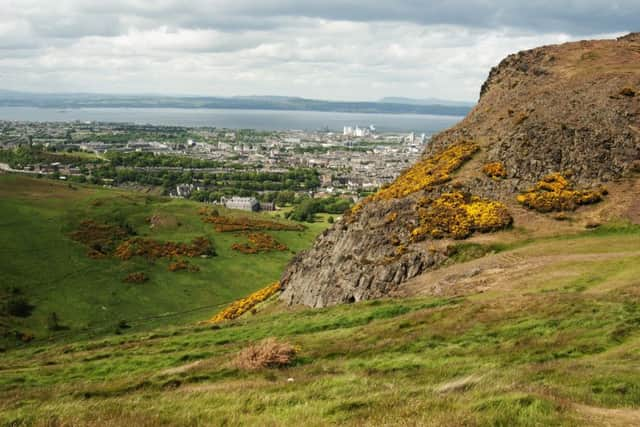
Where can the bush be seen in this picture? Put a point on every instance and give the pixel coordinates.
(101, 239)
(183, 265)
(268, 353)
(458, 215)
(259, 242)
(230, 224)
(19, 307)
(627, 91)
(241, 306)
(154, 249)
(433, 170)
(555, 192)
(138, 277)
(53, 322)
(306, 210)
(495, 170)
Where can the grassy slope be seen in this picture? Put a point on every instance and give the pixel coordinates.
(562, 350)
(37, 256)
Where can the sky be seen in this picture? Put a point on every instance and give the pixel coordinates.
(342, 50)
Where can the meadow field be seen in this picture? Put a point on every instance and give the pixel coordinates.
(558, 344)
(44, 267)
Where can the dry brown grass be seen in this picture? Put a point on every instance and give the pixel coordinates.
(138, 277)
(268, 353)
(164, 222)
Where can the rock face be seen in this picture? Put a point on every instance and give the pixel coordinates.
(571, 108)
(352, 262)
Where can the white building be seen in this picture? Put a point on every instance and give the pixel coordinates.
(358, 131)
(184, 190)
(242, 203)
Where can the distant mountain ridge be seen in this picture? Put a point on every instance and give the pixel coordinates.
(87, 100)
(427, 101)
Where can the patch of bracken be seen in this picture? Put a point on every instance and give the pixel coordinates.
(259, 242)
(154, 249)
(183, 265)
(232, 223)
(100, 239)
(458, 215)
(138, 277)
(555, 192)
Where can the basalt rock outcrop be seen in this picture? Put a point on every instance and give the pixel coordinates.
(563, 119)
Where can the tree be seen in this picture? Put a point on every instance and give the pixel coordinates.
(305, 211)
(53, 322)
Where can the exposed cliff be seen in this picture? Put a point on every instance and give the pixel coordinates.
(553, 126)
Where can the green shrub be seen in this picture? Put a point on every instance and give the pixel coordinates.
(18, 306)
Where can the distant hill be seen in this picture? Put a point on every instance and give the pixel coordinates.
(86, 100)
(427, 101)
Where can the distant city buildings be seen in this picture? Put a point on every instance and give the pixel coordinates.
(358, 131)
(358, 159)
(184, 190)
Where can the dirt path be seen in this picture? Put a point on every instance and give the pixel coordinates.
(609, 417)
(502, 271)
(6, 168)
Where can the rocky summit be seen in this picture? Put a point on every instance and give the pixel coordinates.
(553, 142)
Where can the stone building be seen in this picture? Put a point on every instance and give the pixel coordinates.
(267, 206)
(243, 203)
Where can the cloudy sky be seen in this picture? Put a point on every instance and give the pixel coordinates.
(330, 49)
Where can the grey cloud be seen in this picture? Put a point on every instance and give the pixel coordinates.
(573, 16)
(350, 49)
(578, 17)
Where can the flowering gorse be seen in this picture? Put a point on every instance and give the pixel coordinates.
(555, 192)
(241, 306)
(457, 215)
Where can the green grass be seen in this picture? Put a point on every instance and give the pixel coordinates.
(371, 363)
(55, 275)
(537, 352)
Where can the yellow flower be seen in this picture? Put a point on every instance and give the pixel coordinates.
(555, 192)
(432, 170)
(241, 306)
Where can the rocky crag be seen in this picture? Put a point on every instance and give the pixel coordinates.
(554, 128)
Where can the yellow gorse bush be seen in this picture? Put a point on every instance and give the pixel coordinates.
(241, 306)
(556, 193)
(390, 217)
(432, 170)
(458, 216)
(495, 170)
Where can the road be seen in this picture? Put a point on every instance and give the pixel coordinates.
(6, 168)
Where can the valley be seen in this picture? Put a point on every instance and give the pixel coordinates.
(44, 267)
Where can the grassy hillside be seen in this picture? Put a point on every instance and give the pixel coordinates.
(42, 265)
(556, 349)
